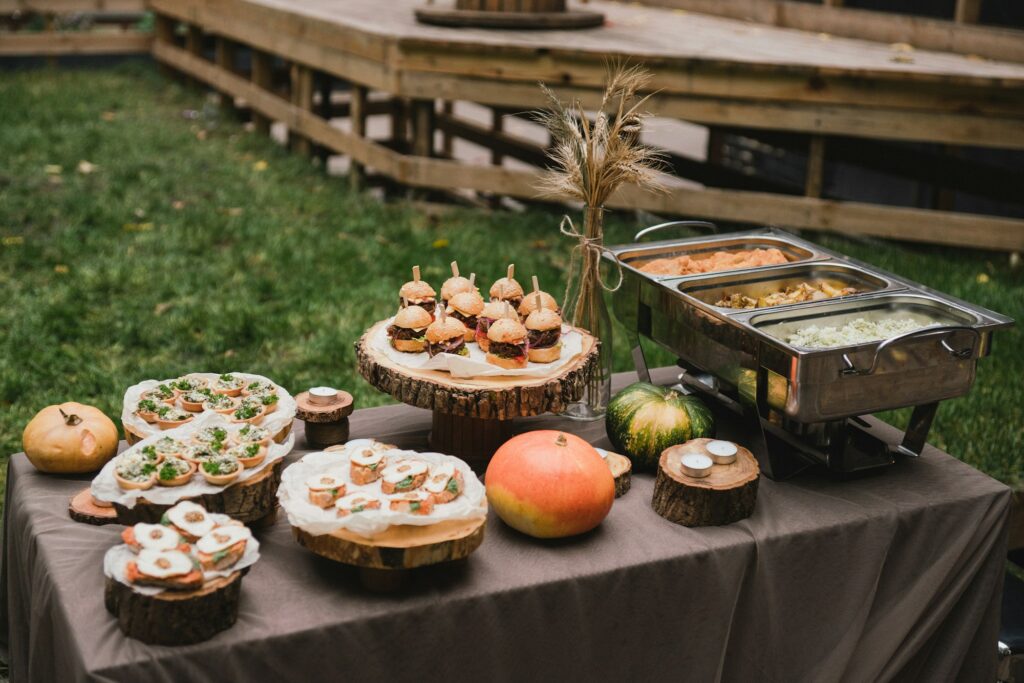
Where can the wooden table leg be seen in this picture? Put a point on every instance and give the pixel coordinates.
(472, 439)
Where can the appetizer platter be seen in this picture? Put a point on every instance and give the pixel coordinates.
(802, 340)
(383, 509)
(153, 406)
(706, 482)
(476, 364)
(228, 467)
(178, 581)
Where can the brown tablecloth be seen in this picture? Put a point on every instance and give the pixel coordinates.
(895, 576)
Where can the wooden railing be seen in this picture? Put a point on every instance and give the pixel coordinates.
(51, 28)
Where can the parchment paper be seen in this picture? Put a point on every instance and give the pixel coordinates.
(476, 365)
(294, 496)
(275, 422)
(104, 486)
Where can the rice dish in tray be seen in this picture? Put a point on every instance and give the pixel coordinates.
(859, 331)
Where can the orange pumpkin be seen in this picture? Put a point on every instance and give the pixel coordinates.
(69, 438)
(549, 484)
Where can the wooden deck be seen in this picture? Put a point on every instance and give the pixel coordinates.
(345, 61)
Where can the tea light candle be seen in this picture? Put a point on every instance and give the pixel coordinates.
(722, 452)
(695, 465)
(323, 396)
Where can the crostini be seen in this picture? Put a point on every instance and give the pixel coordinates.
(174, 472)
(222, 548)
(366, 465)
(324, 489)
(144, 536)
(189, 519)
(169, 569)
(403, 476)
(415, 503)
(221, 470)
(356, 502)
(444, 484)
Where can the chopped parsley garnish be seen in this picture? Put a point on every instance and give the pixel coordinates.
(404, 484)
(150, 452)
(269, 399)
(148, 405)
(453, 486)
(414, 506)
(169, 470)
(219, 555)
(247, 411)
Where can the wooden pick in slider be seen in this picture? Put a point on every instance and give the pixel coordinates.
(416, 273)
(472, 279)
(537, 295)
(536, 285)
(455, 268)
(510, 273)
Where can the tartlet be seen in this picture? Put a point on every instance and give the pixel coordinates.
(174, 472)
(134, 472)
(250, 434)
(249, 410)
(193, 400)
(170, 417)
(221, 470)
(147, 409)
(229, 385)
(250, 455)
(221, 403)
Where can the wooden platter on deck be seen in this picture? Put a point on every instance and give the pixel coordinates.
(725, 496)
(173, 617)
(385, 558)
(472, 415)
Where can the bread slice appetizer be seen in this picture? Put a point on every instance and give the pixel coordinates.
(403, 476)
(444, 484)
(508, 344)
(169, 569)
(147, 408)
(356, 502)
(249, 410)
(219, 403)
(250, 434)
(249, 454)
(415, 503)
(222, 548)
(416, 292)
(193, 400)
(162, 393)
(134, 472)
(324, 489)
(169, 417)
(544, 336)
(189, 519)
(507, 289)
(365, 466)
(408, 331)
(228, 385)
(153, 537)
(189, 383)
(168, 446)
(174, 472)
(221, 470)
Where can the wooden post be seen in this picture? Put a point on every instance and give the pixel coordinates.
(262, 77)
(447, 141)
(967, 11)
(357, 116)
(423, 128)
(194, 45)
(324, 84)
(224, 54)
(49, 22)
(163, 32)
(497, 126)
(399, 124)
(815, 166)
(302, 97)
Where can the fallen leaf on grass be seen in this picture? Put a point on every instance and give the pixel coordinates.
(982, 278)
(61, 269)
(53, 169)
(108, 116)
(260, 166)
(177, 205)
(12, 240)
(138, 227)
(440, 243)
(85, 167)
(162, 307)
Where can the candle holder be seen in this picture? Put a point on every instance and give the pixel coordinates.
(325, 412)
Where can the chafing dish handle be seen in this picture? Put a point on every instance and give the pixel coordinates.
(961, 354)
(711, 227)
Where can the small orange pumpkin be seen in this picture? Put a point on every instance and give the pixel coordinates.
(69, 438)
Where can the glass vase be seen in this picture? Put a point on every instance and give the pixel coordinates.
(585, 308)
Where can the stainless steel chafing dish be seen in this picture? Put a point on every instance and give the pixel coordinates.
(807, 401)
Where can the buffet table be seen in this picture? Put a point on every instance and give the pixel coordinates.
(893, 576)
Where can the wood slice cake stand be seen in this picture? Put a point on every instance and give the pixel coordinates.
(85, 509)
(473, 417)
(175, 618)
(509, 14)
(385, 559)
(725, 496)
(133, 437)
(253, 501)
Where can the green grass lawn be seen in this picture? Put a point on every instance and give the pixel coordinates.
(193, 245)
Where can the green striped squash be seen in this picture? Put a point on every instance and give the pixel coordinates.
(644, 419)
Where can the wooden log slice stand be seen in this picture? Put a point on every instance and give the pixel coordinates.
(253, 501)
(133, 437)
(325, 416)
(385, 560)
(622, 470)
(175, 618)
(85, 509)
(725, 496)
(510, 14)
(473, 417)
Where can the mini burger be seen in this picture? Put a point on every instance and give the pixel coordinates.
(446, 335)
(507, 289)
(488, 314)
(508, 344)
(416, 292)
(530, 305)
(465, 307)
(456, 284)
(544, 333)
(407, 332)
